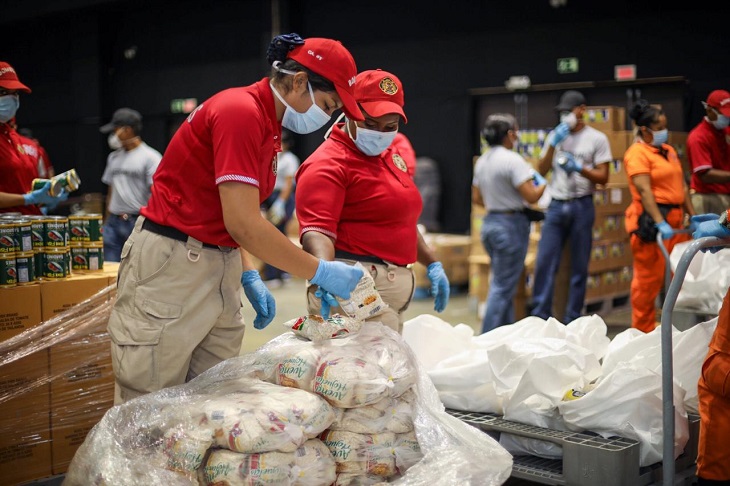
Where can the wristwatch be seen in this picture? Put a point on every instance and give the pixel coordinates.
(724, 219)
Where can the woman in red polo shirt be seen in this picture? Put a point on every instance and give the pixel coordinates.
(356, 202)
(660, 198)
(178, 307)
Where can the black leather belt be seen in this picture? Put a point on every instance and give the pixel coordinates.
(507, 211)
(125, 216)
(573, 198)
(361, 258)
(176, 234)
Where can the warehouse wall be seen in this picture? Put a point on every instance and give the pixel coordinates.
(74, 61)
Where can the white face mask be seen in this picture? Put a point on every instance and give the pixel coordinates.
(373, 142)
(114, 142)
(569, 118)
(310, 121)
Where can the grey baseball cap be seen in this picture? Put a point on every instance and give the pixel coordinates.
(123, 117)
(569, 100)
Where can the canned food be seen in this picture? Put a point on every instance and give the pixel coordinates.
(73, 180)
(79, 259)
(55, 233)
(55, 264)
(95, 227)
(38, 263)
(54, 190)
(95, 257)
(8, 273)
(25, 268)
(24, 235)
(67, 260)
(78, 230)
(37, 227)
(7, 236)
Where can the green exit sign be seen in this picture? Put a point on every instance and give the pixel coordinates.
(183, 105)
(567, 65)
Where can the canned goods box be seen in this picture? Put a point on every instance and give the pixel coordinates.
(43, 425)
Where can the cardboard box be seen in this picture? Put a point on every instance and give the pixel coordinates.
(611, 199)
(82, 388)
(610, 255)
(25, 439)
(605, 118)
(610, 227)
(620, 141)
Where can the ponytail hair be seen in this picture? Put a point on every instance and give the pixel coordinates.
(644, 114)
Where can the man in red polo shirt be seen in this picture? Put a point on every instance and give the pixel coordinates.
(708, 151)
(357, 202)
(17, 167)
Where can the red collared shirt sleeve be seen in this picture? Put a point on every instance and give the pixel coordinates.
(320, 196)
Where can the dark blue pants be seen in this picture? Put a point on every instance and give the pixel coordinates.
(505, 238)
(116, 231)
(565, 221)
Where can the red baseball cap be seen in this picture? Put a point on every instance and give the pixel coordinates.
(9, 78)
(720, 100)
(330, 59)
(379, 93)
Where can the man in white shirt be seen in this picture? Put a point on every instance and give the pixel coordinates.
(129, 170)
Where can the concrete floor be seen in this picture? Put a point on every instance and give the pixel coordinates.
(291, 303)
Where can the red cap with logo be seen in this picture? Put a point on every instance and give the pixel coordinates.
(331, 60)
(720, 100)
(380, 93)
(9, 78)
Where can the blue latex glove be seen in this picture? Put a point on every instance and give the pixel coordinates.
(537, 179)
(694, 221)
(261, 299)
(439, 286)
(41, 196)
(277, 211)
(572, 165)
(666, 230)
(328, 301)
(337, 278)
(711, 227)
(60, 198)
(559, 133)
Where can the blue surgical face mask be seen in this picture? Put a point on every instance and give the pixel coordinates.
(659, 137)
(722, 122)
(373, 142)
(9, 105)
(310, 121)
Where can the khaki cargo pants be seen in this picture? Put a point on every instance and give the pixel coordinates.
(177, 313)
(395, 284)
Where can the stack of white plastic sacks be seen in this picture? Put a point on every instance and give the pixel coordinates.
(563, 377)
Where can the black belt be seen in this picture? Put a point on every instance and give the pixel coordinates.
(361, 258)
(125, 216)
(175, 234)
(573, 198)
(507, 211)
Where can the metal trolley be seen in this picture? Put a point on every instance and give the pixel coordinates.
(670, 299)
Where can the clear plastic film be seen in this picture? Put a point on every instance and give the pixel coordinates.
(274, 411)
(56, 379)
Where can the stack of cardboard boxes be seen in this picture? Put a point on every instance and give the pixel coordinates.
(56, 381)
(453, 253)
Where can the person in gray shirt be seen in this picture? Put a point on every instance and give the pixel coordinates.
(504, 183)
(128, 173)
(578, 156)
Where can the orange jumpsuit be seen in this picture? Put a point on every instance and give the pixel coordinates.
(667, 185)
(713, 456)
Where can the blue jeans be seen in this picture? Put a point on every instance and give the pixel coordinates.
(505, 237)
(570, 221)
(116, 231)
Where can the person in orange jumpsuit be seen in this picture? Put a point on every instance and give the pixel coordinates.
(713, 388)
(660, 197)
